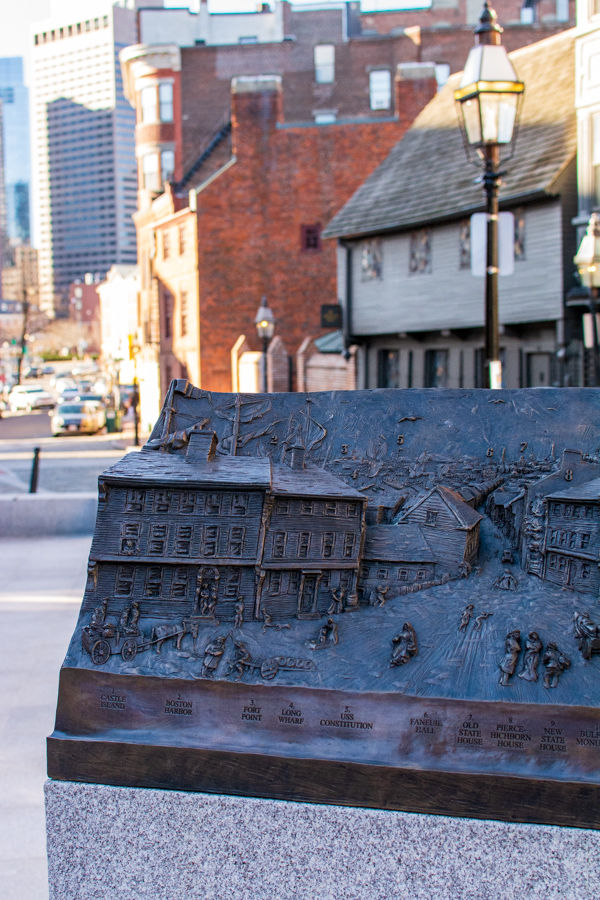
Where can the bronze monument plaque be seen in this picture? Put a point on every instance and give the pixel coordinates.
(374, 598)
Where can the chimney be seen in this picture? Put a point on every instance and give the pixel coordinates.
(256, 108)
(416, 85)
(201, 447)
(571, 459)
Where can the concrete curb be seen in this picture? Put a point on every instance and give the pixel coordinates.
(47, 514)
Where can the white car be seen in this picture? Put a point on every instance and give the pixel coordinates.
(28, 397)
(80, 418)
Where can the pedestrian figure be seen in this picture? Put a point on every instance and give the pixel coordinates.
(380, 592)
(508, 663)
(533, 649)
(466, 617)
(212, 656)
(480, 619)
(337, 604)
(555, 663)
(239, 613)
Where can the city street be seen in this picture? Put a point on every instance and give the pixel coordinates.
(69, 463)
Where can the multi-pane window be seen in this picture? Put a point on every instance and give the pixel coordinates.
(388, 368)
(135, 501)
(328, 543)
(310, 237)
(157, 541)
(431, 516)
(353, 509)
(330, 508)
(349, 542)
(130, 533)
(420, 252)
(182, 239)
(371, 263)
(382, 573)
(293, 582)
(403, 574)
(124, 581)
(279, 542)
(153, 581)
(380, 89)
(235, 545)
(325, 63)
(420, 575)
(275, 583)
(162, 501)
(239, 504)
(167, 166)
(213, 504)
(210, 540)
(184, 312)
(180, 582)
(150, 172)
(165, 101)
(307, 507)
(303, 544)
(283, 506)
(232, 585)
(183, 541)
(187, 502)
(436, 368)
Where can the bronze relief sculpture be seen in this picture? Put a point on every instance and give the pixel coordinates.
(368, 598)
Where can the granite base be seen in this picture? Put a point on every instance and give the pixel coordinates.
(134, 843)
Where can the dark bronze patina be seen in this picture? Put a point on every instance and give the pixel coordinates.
(378, 598)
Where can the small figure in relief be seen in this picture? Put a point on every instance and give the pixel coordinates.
(586, 634)
(99, 614)
(241, 657)
(337, 604)
(555, 663)
(506, 581)
(239, 613)
(533, 649)
(268, 623)
(327, 636)
(404, 646)
(132, 628)
(466, 617)
(380, 592)
(508, 663)
(212, 656)
(480, 619)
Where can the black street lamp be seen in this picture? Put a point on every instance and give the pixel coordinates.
(489, 100)
(265, 329)
(587, 261)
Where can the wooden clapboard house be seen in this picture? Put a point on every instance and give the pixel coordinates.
(395, 556)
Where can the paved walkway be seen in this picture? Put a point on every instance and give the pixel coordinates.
(41, 586)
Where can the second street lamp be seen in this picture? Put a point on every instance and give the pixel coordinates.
(265, 329)
(488, 99)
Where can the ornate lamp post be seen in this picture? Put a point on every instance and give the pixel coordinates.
(587, 261)
(265, 329)
(488, 100)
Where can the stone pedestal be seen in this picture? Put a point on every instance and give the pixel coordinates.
(115, 842)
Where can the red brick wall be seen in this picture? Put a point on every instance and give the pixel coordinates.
(250, 218)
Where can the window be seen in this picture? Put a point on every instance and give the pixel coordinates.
(135, 501)
(165, 101)
(324, 63)
(353, 509)
(239, 504)
(310, 237)
(236, 541)
(183, 299)
(294, 580)
(382, 573)
(519, 215)
(420, 252)
(167, 158)
(182, 239)
(420, 575)
(150, 174)
(325, 118)
(124, 581)
(162, 501)
(275, 583)
(183, 542)
(403, 574)
(380, 89)
(187, 502)
(213, 504)
(586, 571)
(365, 571)
(166, 244)
(307, 507)
(585, 541)
(148, 104)
(464, 239)
(153, 581)
(328, 544)
(180, 582)
(371, 265)
(168, 313)
(436, 368)
(210, 540)
(130, 533)
(283, 507)
(442, 74)
(279, 542)
(431, 517)
(232, 585)
(349, 542)
(330, 508)
(303, 545)
(388, 368)
(157, 540)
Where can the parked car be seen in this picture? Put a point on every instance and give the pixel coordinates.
(33, 372)
(95, 400)
(79, 418)
(48, 370)
(25, 396)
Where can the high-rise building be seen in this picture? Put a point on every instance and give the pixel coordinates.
(84, 148)
(15, 138)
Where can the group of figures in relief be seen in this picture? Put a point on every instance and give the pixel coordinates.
(554, 661)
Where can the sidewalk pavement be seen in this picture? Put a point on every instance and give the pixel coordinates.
(41, 587)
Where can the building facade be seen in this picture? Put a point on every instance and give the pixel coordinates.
(16, 151)
(411, 301)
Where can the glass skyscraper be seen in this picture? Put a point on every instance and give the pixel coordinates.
(84, 148)
(16, 151)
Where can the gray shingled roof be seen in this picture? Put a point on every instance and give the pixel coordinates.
(589, 491)
(426, 177)
(397, 543)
